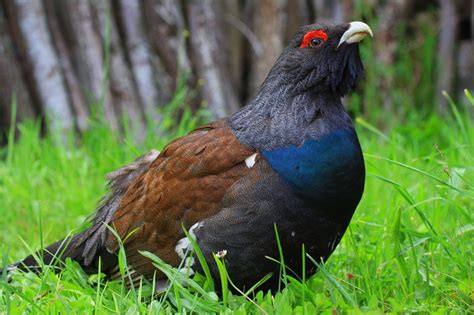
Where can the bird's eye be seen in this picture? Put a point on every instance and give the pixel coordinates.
(315, 42)
(314, 39)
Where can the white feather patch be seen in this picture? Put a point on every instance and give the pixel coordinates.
(184, 245)
(188, 263)
(250, 161)
(195, 226)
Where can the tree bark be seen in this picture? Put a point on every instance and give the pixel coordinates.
(465, 68)
(12, 84)
(140, 58)
(205, 23)
(166, 26)
(234, 44)
(85, 42)
(43, 63)
(78, 102)
(122, 89)
(446, 47)
(269, 19)
(329, 11)
(297, 16)
(385, 47)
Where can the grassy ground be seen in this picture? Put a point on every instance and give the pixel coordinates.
(408, 249)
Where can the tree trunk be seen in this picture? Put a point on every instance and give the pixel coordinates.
(390, 15)
(234, 44)
(446, 48)
(297, 16)
(269, 19)
(466, 67)
(205, 23)
(77, 99)
(329, 11)
(122, 89)
(140, 58)
(166, 26)
(43, 63)
(85, 42)
(11, 78)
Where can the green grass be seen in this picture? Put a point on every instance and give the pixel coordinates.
(408, 249)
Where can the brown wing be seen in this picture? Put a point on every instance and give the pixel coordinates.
(184, 185)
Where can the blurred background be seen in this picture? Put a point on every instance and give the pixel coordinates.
(74, 61)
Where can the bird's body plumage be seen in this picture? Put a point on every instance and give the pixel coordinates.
(290, 159)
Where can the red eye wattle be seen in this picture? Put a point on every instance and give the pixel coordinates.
(308, 37)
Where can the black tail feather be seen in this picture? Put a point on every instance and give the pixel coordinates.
(55, 255)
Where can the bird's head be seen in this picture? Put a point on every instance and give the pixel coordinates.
(301, 96)
(323, 58)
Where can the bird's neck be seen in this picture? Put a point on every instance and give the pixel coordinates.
(278, 117)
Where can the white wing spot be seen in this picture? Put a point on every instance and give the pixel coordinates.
(293, 233)
(250, 161)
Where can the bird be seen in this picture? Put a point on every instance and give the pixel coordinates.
(283, 172)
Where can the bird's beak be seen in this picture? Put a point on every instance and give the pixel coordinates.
(356, 32)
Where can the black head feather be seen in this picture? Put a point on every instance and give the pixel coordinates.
(300, 98)
(325, 68)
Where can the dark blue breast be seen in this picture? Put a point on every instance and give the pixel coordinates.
(323, 168)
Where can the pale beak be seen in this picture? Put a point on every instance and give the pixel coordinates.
(356, 32)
